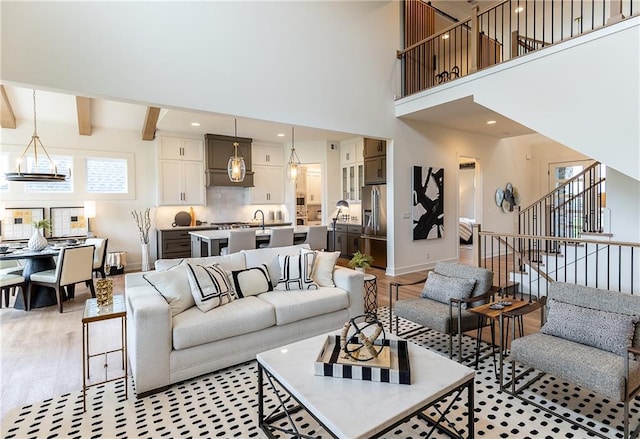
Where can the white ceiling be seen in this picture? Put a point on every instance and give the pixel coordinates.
(61, 108)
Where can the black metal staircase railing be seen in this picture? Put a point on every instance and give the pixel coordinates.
(501, 32)
(607, 265)
(573, 208)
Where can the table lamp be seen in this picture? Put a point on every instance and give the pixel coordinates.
(339, 205)
(89, 212)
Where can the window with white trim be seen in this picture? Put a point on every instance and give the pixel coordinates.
(106, 175)
(62, 163)
(4, 168)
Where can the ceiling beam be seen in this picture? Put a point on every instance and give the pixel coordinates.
(83, 106)
(7, 118)
(150, 122)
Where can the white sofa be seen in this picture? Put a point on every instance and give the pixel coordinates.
(165, 349)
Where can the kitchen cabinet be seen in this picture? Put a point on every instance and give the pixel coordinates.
(375, 171)
(269, 185)
(348, 239)
(267, 155)
(174, 244)
(176, 148)
(181, 172)
(374, 148)
(375, 161)
(181, 183)
(352, 170)
(354, 233)
(314, 188)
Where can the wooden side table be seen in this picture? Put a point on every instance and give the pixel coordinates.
(370, 293)
(92, 313)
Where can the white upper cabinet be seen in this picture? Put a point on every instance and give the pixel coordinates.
(267, 155)
(351, 162)
(314, 188)
(181, 172)
(176, 148)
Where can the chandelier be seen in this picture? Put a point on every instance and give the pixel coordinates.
(236, 168)
(24, 174)
(293, 165)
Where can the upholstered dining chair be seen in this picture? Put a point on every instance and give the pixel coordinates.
(280, 237)
(8, 283)
(243, 239)
(75, 265)
(99, 255)
(317, 237)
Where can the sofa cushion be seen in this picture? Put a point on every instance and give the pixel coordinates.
(242, 316)
(251, 281)
(173, 285)
(483, 277)
(291, 306)
(612, 332)
(269, 256)
(434, 315)
(442, 288)
(234, 261)
(295, 272)
(323, 265)
(210, 286)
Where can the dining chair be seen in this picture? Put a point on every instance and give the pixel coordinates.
(317, 237)
(99, 255)
(9, 283)
(75, 265)
(280, 237)
(243, 239)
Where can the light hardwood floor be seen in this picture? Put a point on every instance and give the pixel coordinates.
(41, 350)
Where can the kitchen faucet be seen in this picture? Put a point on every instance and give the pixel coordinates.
(255, 214)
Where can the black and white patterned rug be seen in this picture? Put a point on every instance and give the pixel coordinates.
(224, 405)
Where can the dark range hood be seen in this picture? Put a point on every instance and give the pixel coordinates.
(218, 149)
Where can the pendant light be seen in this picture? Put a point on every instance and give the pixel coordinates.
(236, 167)
(22, 173)
(293, 166)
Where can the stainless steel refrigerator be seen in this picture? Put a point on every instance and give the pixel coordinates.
(374, 223)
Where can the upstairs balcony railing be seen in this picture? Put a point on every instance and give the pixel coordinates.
(493, 35)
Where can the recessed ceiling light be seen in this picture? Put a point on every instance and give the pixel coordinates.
(491, 122)
(519, 9)
(445, 37)
(280, 134)
(195, 124)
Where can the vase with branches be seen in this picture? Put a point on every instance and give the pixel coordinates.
(37, 241)
(143, 222)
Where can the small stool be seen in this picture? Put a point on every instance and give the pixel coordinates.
(370, 293)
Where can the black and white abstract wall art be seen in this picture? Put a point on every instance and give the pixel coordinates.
(427, 209)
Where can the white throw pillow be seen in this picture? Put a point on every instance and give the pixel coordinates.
(295, 273)
(323, 266)
(210, 286)
(251, 281)
(173, 285)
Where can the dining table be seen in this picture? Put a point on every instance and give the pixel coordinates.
(34, 261)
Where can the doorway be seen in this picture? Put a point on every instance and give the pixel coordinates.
(467, 200)
(309, 195)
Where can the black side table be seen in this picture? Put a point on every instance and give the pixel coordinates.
(370, 293)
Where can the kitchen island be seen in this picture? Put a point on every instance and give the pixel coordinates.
(209, 242)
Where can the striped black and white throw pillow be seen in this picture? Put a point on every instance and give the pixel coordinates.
(210, 286)
(251, 281)
(295, 272)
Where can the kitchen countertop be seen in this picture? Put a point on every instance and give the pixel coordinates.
(214, 226)
(224, 234)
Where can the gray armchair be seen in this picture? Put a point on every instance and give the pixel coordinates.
(449, 315)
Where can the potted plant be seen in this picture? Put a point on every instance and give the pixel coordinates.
(360, 261)
(37, 241)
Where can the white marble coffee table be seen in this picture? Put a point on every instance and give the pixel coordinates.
(354, 409)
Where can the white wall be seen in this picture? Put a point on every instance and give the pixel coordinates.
(319, 64)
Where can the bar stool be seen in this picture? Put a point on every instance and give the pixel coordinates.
(280, 237)
(244, 239)
(317, 237)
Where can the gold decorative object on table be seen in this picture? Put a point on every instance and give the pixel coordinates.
(104, 292)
